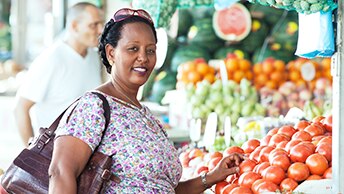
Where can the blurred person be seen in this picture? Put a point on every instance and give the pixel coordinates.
(143, 158)
(62, 72)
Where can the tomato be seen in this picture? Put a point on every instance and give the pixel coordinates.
(277, 138)
(300, 153)
(274, 174)
(326, 139)
(314, 177)
(282, 144)
(325, 149)
(241, 190)
(301, 125)
(273, 131)
(318, 119)
(328, 123)
(328, 173)
(256, 184)
(288, 184)
(310, 145)
(233, 149)
(259, 168)
(255, 154)
(291, 144)
(298, 171)
(213, 162)
(228, 188)
(219, 186)
(265, 141)
(275, 152)
(201, 168)
(264, 154)
(287, 130)
(247, 165)
(250, 145)
(267, 186)
(314, 130)
(281, 161)
(317, 164)
(302, 135)
(215, 154)
(248, 178)
(232, 177)
(196, 152)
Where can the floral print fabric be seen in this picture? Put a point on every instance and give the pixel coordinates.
(143, 157)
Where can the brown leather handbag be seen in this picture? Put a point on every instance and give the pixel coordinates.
(29, 171)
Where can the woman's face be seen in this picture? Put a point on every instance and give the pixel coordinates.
(135, 55)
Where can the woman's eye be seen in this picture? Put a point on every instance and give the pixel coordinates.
(133, 49)
(151, 51)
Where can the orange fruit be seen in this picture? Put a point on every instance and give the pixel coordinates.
(279, 65)
(294, 76)
(261, 79)
(248, 75)
(277, 76)
(189, 66)
(210, 77)
(257, 68)
(232, 65)
(326, 63)
(268, 67)
(194, 77)
(244, 65)
(271, 84)
(238, 75)
(202, 68)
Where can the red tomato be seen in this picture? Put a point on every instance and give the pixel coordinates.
(264, 154)
(302, 135)
(256, 184)
(247, 165)
(300, 153)
(241, 190)
(314, 177)
(275, 152)
(288, 185)
(250, 145)
(219, 186)
(314, 130)
(273, 131)
(215, 155)
(310, 145)
(325, 149)
(267, 186)
(248, 178)
(277, 138)
(213, 162)
(265, 141)
(255, 154)
(298, 171)
(291, 144)
(231, 178)
(318, 119)
(274, 174)
(201, 168)
(317, 164)
(233, 149)
(228, 188)
(328, 173)
(326, 139)
(287, 130)
(328, 123)
(302, 124)
(282, 144)
(281, 161)
(259, 168)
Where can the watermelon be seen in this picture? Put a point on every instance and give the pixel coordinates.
(164, 81)
(232, 23)
(202, 34)
(269, 14)
(255, 39)
(202, 12)
(186, 53)
(184, 22)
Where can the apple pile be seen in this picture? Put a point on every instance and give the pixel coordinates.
(280, 161)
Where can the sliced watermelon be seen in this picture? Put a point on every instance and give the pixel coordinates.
(232, 23)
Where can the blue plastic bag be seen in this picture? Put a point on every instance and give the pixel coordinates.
(316, 35)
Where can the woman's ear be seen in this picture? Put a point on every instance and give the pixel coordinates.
(110, 53)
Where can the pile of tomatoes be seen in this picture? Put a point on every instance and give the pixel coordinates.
(283, 159)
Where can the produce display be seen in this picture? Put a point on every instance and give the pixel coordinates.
(284, 158)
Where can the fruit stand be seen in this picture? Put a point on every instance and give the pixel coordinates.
(264, 80)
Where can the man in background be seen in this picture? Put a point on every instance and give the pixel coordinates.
(61, 73)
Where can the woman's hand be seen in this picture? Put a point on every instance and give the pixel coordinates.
(227, 166)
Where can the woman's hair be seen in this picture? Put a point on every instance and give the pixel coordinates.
(112, 34)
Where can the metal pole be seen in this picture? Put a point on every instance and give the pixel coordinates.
(338, 106)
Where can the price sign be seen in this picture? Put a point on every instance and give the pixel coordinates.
(210, 130)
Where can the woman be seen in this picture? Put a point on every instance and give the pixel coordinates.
(143, 158)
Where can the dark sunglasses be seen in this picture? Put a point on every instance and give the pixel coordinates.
(125, 13)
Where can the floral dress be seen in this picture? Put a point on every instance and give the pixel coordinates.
(143, 157)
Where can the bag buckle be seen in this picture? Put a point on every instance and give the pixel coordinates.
(106, 174)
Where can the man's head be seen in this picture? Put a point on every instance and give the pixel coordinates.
(84, 24)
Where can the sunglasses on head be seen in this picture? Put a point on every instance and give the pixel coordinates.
(125, 13)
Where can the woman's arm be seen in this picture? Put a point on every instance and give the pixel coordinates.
(227, 166)
(69, 158)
